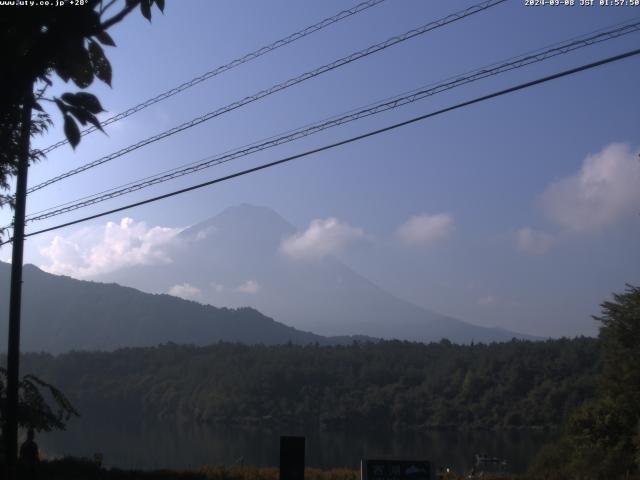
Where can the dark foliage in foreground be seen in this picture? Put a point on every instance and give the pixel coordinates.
(80, 468)
(601, 439)
(76, 469)
(519, 384)
(40, 43)
(41, 406)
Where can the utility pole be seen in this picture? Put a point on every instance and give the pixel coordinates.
(13, 351)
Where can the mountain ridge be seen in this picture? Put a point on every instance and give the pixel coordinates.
(61, 314)
(232, 259)
(244, 244)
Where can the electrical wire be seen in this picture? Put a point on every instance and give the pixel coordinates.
(372, 133)
(520, 61)
(226, 67)
(278, 87)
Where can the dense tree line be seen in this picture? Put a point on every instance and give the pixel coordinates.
(601, 438)
(391, 384)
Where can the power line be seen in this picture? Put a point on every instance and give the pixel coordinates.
(372, 109)
(597, 36)
(228, 66)
(499, 93)
(276, 88)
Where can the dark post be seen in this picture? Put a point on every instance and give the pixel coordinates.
(292, 458)
(13, 351)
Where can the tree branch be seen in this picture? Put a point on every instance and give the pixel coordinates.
(117, 18)
(107, 6)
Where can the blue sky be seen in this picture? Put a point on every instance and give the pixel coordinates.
(519, 212)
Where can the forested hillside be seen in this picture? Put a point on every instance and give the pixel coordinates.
(62, 314)
(519, 384)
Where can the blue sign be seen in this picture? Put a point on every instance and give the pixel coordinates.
(396, 470)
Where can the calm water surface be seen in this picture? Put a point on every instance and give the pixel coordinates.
(169, 445)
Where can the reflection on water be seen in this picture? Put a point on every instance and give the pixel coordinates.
(171, 445)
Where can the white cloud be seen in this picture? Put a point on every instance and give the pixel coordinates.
(605, 189)
(250, 286)
(323, 237)
(186, 291)
(97, 250)
(426, 229)
(534, 242)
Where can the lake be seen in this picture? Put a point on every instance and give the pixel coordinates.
(171, 445)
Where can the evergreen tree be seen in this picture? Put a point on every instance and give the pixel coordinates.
(602, 437)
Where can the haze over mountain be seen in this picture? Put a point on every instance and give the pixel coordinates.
(60, 314)
(239, 258)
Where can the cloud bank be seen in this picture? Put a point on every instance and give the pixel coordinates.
(323, 237)
(426, 230)
(97, 250)
(186, 291)
(605, 189)
(250, 287)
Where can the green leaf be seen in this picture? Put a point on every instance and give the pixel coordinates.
(62, 73)
(80, 66)
(69, 98)
(80, 114)
(160, 4)
(63, 108)
(85, 100)
(91, 16)
(94, 121)
(105, 39)
(71, 131)
(145, 8)
(83, 106)
(101, 65)
(90, 102)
